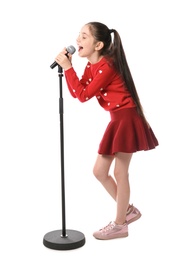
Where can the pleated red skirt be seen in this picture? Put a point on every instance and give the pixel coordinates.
(127, 132)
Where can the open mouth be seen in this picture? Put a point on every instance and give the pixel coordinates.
(80, 48)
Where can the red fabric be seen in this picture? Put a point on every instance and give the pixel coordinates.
(102, 81)
(127, 132)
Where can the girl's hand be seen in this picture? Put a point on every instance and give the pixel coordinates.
(64, 59)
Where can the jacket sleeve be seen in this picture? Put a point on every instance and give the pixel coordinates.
(89, 85)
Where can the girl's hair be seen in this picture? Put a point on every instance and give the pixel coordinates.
(113, 51)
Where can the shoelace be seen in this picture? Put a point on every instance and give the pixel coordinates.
(111, 225)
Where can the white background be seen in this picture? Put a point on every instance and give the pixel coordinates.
(154, 35)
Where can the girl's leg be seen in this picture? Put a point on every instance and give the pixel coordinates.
(119, 189)
(101, 172)
(122, 161)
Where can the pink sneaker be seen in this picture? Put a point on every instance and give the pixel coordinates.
(111, 231)
(132, 214)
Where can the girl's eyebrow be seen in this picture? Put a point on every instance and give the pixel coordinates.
(83, 33)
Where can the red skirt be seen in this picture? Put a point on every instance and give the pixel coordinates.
(127, 132)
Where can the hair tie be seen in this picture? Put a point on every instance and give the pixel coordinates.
(112, 30)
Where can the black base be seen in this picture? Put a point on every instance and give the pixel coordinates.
(55, 240)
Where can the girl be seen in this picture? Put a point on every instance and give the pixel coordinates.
(108, 78)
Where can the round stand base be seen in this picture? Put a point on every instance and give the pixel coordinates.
(55, 240)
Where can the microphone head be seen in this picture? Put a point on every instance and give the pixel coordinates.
(71, 49)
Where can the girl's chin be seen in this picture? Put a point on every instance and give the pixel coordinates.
(81, 55)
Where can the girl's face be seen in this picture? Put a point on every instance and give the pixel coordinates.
(87, 46)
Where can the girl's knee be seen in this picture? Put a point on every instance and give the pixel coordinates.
(96, 172)
(99, 174)
(119, 175)
(102, 166)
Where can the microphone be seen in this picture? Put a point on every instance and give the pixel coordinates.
(70, 49)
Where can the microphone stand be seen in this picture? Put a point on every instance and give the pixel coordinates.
(63, 239)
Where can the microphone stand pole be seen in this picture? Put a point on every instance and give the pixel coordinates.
(63, 239)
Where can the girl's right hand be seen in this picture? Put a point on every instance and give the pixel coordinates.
(64, 59)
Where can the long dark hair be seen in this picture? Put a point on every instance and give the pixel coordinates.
(114, 52)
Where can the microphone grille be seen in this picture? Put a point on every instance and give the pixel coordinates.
(71, 49)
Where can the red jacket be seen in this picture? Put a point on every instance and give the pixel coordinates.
(103, 82)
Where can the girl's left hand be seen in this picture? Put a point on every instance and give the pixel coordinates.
(63, 60)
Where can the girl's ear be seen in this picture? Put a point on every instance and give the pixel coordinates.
(99, 46)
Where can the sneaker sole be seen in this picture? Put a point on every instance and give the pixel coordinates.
(134, 219)
(113, 237)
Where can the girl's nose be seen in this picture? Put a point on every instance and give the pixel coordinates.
(78, 38)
